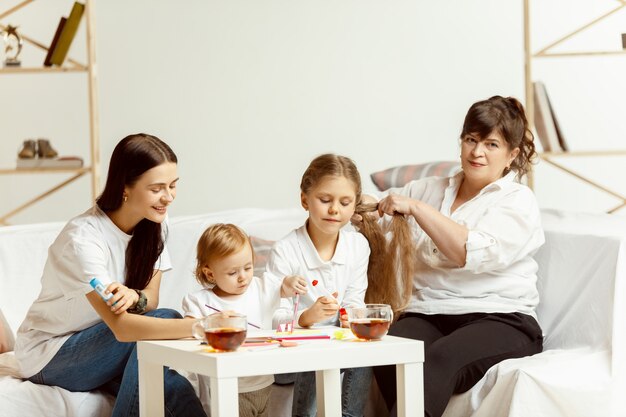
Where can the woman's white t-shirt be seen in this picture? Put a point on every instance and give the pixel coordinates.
(89, 246)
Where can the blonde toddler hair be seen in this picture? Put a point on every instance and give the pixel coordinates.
(217, 241)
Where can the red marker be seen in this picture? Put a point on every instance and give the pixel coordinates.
(315, 282)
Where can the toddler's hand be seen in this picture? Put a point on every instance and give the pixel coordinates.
(292, 285)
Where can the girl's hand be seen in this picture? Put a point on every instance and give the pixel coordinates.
(292, 285)
(123, 297)
(394, 203)
(324, 308)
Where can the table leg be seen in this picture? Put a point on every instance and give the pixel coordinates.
(151, 402)
(328, 389)
(224, 397)
(410, 383)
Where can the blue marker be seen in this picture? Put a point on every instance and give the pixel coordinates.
(97, 285)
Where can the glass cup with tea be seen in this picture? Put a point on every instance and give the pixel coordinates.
(370, 322)
(222, 331)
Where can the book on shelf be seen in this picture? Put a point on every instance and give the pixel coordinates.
(67, 34)
(546, 124)
(62, 162)
(48, 61)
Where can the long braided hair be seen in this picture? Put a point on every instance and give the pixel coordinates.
(392, 261)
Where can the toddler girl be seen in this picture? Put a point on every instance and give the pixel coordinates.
(225, 261)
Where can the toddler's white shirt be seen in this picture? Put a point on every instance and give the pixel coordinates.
(258, 304)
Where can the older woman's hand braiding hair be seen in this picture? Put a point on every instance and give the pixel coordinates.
(389, 281)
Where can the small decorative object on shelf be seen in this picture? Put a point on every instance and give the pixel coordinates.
(29, 150)
(40, 148)
(12, 46)
(624, 40)
(45, 150)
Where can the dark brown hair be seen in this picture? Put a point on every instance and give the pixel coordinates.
(331, 165)
(134, 155)
(506, 116)
(217, 241)
(391, 265)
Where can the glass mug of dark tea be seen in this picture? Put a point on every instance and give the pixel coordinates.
(222, 331)
(370, 322)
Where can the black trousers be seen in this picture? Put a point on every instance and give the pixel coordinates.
(459, 349)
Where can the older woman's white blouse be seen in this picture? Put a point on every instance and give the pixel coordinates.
(500, 274)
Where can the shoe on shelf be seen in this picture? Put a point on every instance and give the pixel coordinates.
(29, 150)
(45, 150)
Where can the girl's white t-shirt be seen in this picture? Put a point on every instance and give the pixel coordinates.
(345, 273)
(89, 246)
(258, 304)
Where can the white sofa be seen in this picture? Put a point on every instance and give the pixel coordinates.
(581, 281)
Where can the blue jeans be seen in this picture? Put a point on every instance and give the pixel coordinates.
(93, 359)
(354, 393)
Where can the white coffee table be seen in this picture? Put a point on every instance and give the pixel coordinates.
(326, 357)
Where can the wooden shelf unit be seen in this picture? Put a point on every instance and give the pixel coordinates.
(546, 52)
(31, 70)
(70, 66)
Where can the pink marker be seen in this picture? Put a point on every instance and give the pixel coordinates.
(295, 313)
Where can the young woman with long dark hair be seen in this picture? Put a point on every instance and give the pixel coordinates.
(71, 337)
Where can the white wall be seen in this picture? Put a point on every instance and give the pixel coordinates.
(248, 92)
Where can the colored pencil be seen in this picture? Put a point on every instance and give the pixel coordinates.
(219, 311)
